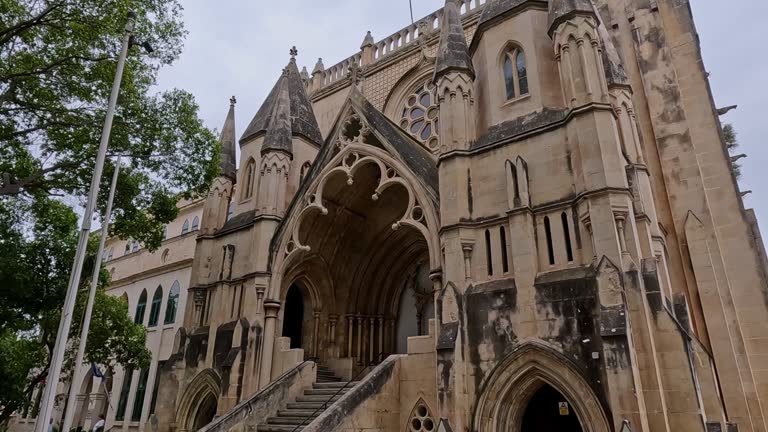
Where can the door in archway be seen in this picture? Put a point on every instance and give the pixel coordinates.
(293, 319)
(549, 410)
(206, 412)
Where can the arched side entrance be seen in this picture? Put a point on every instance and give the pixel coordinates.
(199, 402)
(293, 318)
(526, 390)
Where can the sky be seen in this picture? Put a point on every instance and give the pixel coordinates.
(239, 47)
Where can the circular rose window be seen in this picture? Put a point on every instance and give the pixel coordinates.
(420, 116)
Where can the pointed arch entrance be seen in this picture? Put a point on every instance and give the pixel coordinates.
(536, 389)
(293, 322)
(362, 231)
(199, 402)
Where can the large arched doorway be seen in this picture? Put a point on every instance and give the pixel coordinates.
(205, 412)
(293, 320)
(549, 410)
(364, 244)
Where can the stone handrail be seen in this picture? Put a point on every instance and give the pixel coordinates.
(391, 44)
(265, 402)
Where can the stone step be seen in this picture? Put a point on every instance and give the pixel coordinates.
(302, 413)
(290, 420)
(305, 405)
(317, 398)
(328, 379)
(278, 428)
(326, 391)
(334, 384)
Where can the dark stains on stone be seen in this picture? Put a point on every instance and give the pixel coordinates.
(448, 334)
(613, 321)
(732, 427)
(714, 427)
(496, 11)
(521, 125)
(239, 221)
(562, 10)
(652, 288)
(681, 311)
(452, 51)
(197, 347)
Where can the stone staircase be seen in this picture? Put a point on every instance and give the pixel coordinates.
(299, 413)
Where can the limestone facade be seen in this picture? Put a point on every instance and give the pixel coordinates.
(512, 215)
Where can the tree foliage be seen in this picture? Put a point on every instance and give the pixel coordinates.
(38, 239)
(732, 143)
(57, 64)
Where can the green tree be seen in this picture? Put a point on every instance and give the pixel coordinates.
(732, 143)
(38, 239)
(57, 63)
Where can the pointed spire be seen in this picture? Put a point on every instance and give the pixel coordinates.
(452, 52)
(367, 41)
(290, 92)
(228, 143)
(304, 74)
(279, 132)
(561, 10)
(319, 67)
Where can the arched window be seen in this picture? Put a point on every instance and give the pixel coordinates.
(185, 227)
(230, 209)
(250, 178)
(420, 115)
(567, 234)
(488, 255)
(304, 171)
(195, 223)
(154, 311)
(515, 73)
(548, 234)
(127, 248)
(141, 308)
(504, 256)
(110, 254)
(173, 304)
(135, 247)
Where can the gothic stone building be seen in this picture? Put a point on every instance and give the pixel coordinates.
(513, 215)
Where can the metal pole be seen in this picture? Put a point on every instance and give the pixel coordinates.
(57, 358)
(76, 375)
(410, 4)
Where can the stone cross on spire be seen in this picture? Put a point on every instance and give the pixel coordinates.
(232, 101)
(294, 52)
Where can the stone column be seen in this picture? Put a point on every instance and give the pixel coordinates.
(381, 335)
(315, 336)
(332, 319)
(359, 340)
(371, 321)
(350, 333)
(271, 308)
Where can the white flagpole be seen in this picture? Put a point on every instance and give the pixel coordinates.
(79, 359)
(57, 358)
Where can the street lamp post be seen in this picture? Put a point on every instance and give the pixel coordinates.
(57, 359)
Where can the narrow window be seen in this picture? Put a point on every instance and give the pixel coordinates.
(304, 171)
(515, 185)
(548, 233)
(155, 387)
(127, 248)
(249, 174)
(111, 252)
(504, 257)
(522, 73)
(509, 77)
(135, 247)
(488, 256)
(173, 304)
(230, 209)
(141, 308)
(567, 234)
(154, 310)
(141, 390)
(123, 401)
(195, 223)
(185, 227)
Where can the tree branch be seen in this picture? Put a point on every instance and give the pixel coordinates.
(10, 187)
(9, 33)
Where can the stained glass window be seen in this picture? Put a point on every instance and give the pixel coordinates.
(515, 73)
(420, 116)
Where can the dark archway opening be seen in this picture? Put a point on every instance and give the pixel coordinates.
(548, 410)
(206, 412)
(294, 316)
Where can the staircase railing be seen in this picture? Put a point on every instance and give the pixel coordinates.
(322, 407)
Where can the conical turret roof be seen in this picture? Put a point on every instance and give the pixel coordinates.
(452, 52)
(560, 10)
(288, 91)
(228, 143)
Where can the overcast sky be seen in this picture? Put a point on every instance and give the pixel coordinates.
(239, 47)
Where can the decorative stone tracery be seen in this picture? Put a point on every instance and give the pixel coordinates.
(421, 419)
